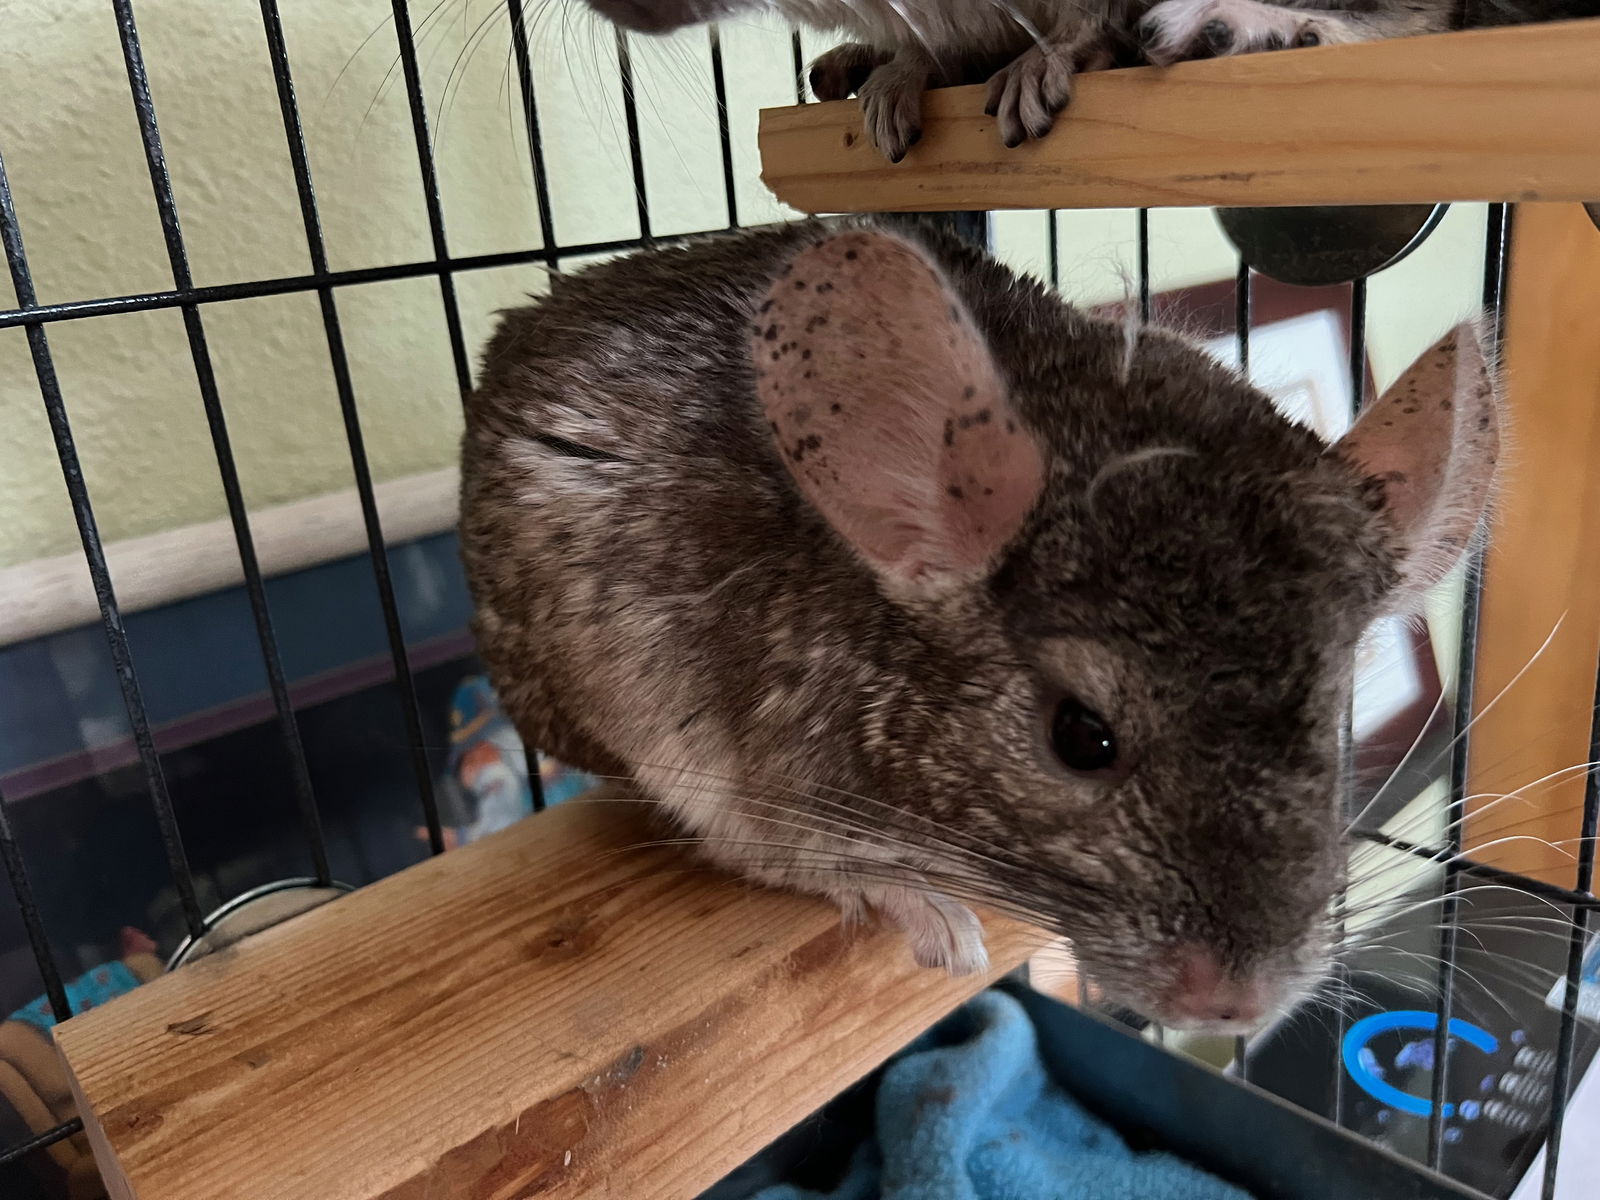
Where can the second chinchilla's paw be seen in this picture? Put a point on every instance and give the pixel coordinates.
(1027, 93)
(891, 104)
(844, 70)
(1175, 30)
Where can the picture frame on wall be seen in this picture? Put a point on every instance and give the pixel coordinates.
(1300, 355)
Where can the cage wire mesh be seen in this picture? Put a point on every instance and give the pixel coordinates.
(193, 301)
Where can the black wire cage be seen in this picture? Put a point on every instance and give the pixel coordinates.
(193, 301)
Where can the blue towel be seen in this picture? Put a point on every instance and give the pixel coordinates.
(968, 1112)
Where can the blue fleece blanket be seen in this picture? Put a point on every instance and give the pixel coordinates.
(969, 1113)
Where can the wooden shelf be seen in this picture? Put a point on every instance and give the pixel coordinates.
(548, 1011)
(1503, 114)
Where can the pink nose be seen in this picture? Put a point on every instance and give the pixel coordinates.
(1205, 993)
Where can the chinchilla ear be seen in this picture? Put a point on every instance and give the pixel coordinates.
(890, 413)
(1431, 442)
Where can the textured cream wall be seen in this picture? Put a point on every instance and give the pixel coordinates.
(71, 146)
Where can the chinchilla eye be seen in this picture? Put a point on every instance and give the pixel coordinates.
(1081, 738)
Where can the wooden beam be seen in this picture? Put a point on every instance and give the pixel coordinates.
(1502, 114)
(1541, 567)
(546, 1012)
(47, 595)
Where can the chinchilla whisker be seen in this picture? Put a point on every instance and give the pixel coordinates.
(840, 816)
(1508, 971)
(1444, 857)
(932, 876)
(1368, 873)
(1426, 987)
(1338, 1006)
(1461, 931)
(1027, 26)
(1564, 924)
(359, 50)
(1427, 979)
(1495, 800)
(812, 860)
(937, 828)
(458, 70)
(1553, 843)
(419, 32)
(1527, 927)
(913, 26)
(1497, 981)
(1343, 987)
(1518, 923)
(934, 832)
(1457, 894)
(1390, 908)
(831, 830)
(1438, 704)
(1338, 996)
(1542, 738)
(1501, 694)
(834, 848)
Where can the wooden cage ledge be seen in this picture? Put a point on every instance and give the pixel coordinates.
(550, 1011)
(1502, 114)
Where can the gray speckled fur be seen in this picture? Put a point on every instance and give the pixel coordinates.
(672, 609)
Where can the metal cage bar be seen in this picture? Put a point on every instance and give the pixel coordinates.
(530, 123)
(190, 299)
(1578, 938)
(1536, 888)
(412, 74)
(49, 1137)
(1144, 265)
(1358, 398)
(1242, 312)
(94, 554)
(1052, 233)
(719, 86)
(74, 310)
(1242, 316)
(1496, 262)
(378, 553)
(630, 114)
(221, 444)
(32, 922)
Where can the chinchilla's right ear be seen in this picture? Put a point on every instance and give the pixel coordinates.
(1432, 442)
(890, 413)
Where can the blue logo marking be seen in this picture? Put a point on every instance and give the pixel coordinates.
(1357, 1057)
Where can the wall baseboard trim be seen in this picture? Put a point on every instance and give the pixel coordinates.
(51, 594)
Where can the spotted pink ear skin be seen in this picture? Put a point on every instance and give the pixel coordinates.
(1432, 440)
(890, 413)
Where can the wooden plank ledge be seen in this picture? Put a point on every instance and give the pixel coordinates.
(1500, 114)
(551, 1011)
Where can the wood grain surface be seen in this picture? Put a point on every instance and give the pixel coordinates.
(1502, 114)
(550, 1012)
(1541, 570)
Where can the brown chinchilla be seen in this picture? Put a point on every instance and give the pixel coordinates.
(894, 578)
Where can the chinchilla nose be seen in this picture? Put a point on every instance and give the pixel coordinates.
(1207, 994)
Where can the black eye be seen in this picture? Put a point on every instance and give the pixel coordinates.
(1081, 739)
